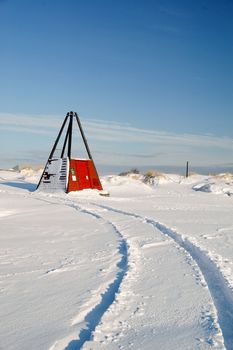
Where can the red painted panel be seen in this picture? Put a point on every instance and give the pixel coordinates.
(82, 174)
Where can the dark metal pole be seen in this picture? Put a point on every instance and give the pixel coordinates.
(85, 142)
(70, 135)
(54, 147)
(58, 137)
(83, 136)
(187, 169)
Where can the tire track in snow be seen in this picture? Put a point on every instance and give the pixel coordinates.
(221, 294)
(93, 318)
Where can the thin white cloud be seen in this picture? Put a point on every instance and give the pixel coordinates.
(110, 132)
(112, 143)
(174, 11)
(42, 121)
(27, 130)
(118, 133)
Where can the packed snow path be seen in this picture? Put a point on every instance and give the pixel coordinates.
(210, 319)
(111, 276)
(217, 284)
(93, 317)
(49, 275)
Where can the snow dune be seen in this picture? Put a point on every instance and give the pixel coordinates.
(150, 267)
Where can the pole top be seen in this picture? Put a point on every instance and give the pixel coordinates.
(72, 114)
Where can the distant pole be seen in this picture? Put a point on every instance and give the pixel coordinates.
(187, 170)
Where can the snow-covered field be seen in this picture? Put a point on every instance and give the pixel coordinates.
(150, 267)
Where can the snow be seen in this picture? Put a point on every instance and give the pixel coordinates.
(220, 184)
(150, 267)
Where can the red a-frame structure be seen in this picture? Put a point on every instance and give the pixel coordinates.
(65, 172)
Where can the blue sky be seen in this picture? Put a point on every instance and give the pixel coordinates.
(151, 80)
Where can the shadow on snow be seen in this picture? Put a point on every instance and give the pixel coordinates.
(220, 291)
(23, 185)
(93, 318)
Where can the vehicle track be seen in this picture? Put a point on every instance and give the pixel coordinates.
(219, 290)
(216, 283)
(93, 318)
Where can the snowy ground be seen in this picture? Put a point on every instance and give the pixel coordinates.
(150, 267)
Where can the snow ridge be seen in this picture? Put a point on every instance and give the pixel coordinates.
(93, 318)
(217, 284)
(219, 290)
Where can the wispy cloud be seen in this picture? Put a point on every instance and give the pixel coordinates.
(110, 131)
(119, 143)
(174, 11)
